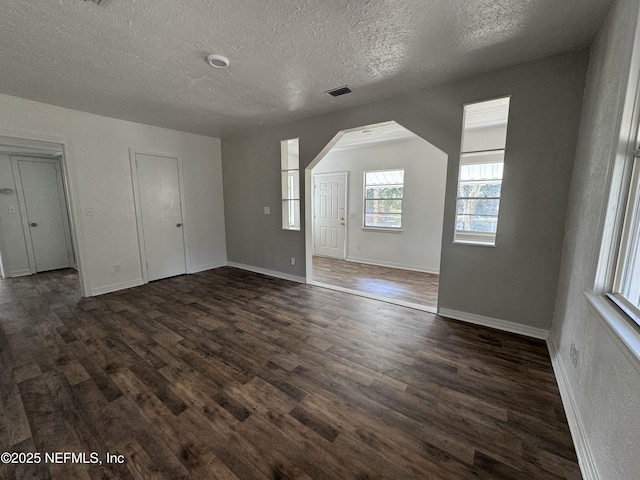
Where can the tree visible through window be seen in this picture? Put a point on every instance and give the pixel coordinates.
(383, 194)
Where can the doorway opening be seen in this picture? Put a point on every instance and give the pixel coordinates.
(36, 229)
(375, 208)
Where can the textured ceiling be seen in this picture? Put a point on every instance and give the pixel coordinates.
(144, 60)
(373, 135)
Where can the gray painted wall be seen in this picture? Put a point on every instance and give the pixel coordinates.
(606, 381)
(515, 281)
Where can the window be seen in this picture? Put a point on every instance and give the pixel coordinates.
(626, 285)
(290, 173)
(484, 136)
(383, 193)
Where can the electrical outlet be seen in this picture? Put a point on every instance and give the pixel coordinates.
(352, 215)
(267, 210)
(116, 268)
(574, 354)
(293, 260)
(359, 246)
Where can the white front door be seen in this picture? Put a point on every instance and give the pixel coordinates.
(160, 212)
(329, 214)
(45, 217)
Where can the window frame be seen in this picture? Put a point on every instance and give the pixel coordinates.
(470, 237)
(629, 228)
(290, 202)
(602, 297)
(364, 201)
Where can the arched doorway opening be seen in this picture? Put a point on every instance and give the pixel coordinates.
(374, 213)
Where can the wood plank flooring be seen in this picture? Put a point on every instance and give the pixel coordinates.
(393, 283)
(228, 374)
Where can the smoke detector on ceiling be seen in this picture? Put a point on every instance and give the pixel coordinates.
(100, 3)
(218, 61)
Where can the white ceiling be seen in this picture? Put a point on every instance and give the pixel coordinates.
(144, 60)
(374, 134)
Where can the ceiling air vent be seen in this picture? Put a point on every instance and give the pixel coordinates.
(101, 3)
(336, 92)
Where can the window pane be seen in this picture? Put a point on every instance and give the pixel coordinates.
(387, 177)
(476, 223)
(291, 214)
(485, 125)
(478, 207)
(386, 220)
(385, 192)
(480, 189)
(481, 171)
(629, 276)
(289, 154)
(383, 206)
(291, 185)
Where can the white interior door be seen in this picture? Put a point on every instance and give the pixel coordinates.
(46, 220)
(329, 219)
(160, 212)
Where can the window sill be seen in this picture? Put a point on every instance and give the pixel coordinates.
(473, 243)
(481, 239)
(624, 330)
(382, 229)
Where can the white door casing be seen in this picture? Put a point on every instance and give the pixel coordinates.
(159, 210)
(45, 218)
(329, 214)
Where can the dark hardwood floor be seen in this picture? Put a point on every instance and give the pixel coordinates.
(229, 374)
(392, 283)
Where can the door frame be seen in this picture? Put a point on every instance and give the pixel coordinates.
(346, 208)
(22, 205)
(70, 180)
(133, 151)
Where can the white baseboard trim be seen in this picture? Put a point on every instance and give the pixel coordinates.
(207, 266)
(20, 273)
(382, 263)
(270, 273)
(115, 287)
(583, 451)
(402, 303)
(496, 323)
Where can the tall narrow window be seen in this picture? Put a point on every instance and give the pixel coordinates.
(383, 194)
(290, 173)
(484, 137)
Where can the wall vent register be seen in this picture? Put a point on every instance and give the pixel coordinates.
(336, 92)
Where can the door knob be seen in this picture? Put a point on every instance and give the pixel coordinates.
(34, 224)
(178, 225)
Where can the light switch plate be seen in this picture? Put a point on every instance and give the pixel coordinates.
(267, 210)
